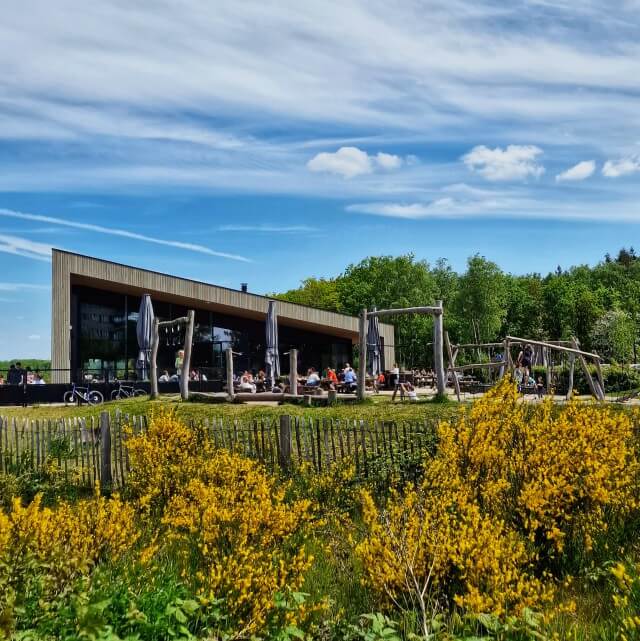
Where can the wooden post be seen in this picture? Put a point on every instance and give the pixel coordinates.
(600, 378)
(572, 366)
(438, 356)
(456, 382)
(284, 436)
(503, 369)
(106, 479)
(362, 364)
(583, 363)
(155, 340)
(186, 364)
(229, 364)
(547, 355)
(293, 372)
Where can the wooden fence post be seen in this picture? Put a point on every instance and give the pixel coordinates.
(106, 479)
(293, 372)
(186, 364)
(285, 442)
(362, 362)
(438, 354)
(229, 364)
(155, 339)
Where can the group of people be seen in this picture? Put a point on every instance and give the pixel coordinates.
(17, 375)
(522, 373)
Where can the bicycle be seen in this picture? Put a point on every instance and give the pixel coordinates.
(83, 394)
(126, 391)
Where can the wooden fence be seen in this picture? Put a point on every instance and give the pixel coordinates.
(89, 451)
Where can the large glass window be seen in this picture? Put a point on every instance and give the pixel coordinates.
(104, 338)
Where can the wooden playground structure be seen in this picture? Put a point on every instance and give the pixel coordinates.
(506, 363)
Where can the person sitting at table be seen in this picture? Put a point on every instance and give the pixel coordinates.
(312, 378)
(164, 377)
(246, 383)
(379, 382)
(349, 378)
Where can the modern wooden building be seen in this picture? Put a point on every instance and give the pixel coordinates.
(95, 309)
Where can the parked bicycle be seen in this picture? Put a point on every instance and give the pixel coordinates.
(83, 395)
(126, 391)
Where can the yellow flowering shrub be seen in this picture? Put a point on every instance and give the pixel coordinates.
(556, 474)
(244, 536)
(45, 549)
(165, 458)
(438, 544)
(509, 487)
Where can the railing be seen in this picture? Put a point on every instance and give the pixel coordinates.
(87, 451)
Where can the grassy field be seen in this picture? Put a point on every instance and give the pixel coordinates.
(380, 408)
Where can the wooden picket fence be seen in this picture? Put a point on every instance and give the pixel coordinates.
(89, 450)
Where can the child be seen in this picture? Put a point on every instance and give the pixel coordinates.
(411, 393)
(540, 387)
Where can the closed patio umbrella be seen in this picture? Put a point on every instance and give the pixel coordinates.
(144, 329)
(272, 358)
(374, 360)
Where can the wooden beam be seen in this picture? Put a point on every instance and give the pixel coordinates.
(293, 372)
(434, 311)
(560, 348)
(456, 382)
(492, 364)
(438, 347)
(583, 363)
(155, 340)
(186, 364)
(572, 366)
(228, 353)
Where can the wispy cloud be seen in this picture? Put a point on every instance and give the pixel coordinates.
(24, 247)
(622, 167)
(270, 229)
(581, 171)
(112, 231)
(18, 287)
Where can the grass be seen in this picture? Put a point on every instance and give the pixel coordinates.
(380, 408)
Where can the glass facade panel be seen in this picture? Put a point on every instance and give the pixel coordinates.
(104, 338)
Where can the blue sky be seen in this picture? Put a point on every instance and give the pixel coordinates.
(265, 142)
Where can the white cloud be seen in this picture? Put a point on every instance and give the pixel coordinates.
(388, 161)
(516, 162)
(18, 287)
(113, 231)
(350, 162)
(347, 162)
(24, 247)
(622, 167)
(34, 337)
(581, 171)
(270, 229)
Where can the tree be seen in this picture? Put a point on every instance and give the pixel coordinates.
(613, 335)
(481, 301)
(392, 282)
(315, 292)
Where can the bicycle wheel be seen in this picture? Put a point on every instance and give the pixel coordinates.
(95, 398)
(139, 392)
(115, 395)
(68, 398)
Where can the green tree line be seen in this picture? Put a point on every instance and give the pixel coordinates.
(600, 305)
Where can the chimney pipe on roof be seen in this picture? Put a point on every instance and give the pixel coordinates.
(243, 287)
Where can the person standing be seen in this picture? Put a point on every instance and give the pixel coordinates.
(179, 363)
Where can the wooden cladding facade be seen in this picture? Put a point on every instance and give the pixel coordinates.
(76, 269)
